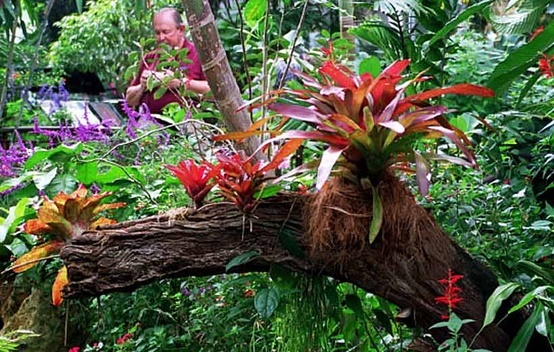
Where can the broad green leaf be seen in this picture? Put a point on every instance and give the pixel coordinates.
(288, 241)
(43, 179)
(520, 342)
(268, 191)
(160, 92)
(266, 301)
(528, 298)
(63, 183)
(370, 65)
(15, 213)
(543, 326)
(377, 217)
(452, 24)
(523, 17)
(18, 247)
(117, 173)
(495, 300)
(87, 172)
(254, 11)
(534, 269)
(353, 302)
(60, 153)
(521, 59)
(241, 259)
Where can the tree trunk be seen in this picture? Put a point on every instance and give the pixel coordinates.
(402, 268)
(217, 70)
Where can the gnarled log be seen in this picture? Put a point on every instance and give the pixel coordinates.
(402, 265)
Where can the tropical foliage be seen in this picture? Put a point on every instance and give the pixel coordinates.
(389, 109)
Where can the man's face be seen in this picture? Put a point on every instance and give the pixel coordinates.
(167, 31)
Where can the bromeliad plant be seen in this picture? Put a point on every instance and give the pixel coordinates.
(239, 179)
(371, 124)
(60, 219)
(198, 180)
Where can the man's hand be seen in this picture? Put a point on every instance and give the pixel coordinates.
(166, 77)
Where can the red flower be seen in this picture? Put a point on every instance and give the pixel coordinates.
(451, 296)
(546, 65)
(195, 178)
(124, 338)
(74, 349)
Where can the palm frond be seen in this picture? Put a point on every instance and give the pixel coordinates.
(520, 16)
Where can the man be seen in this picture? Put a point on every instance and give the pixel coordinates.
(169, 30)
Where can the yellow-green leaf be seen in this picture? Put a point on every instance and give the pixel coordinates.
(377, 218)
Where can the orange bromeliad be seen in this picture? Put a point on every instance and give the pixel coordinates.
(64, 217)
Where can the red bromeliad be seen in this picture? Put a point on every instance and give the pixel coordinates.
(62, 218)
(240, 181)
(451, 296)
(370, 124)
(197, 179)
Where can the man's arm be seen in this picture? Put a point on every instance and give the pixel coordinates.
(197, 86)
(134, 94)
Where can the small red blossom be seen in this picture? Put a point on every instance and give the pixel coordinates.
(74, 349)
(124, 338)
(451, 296)
(546, 65)
(249, 293)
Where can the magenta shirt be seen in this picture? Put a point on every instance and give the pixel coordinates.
(192, 69)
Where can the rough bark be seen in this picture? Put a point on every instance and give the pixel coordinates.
(217, 70)
(404, 270)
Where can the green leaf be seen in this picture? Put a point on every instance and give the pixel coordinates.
(288, 241)
(254, 11)
(543, 326)
(266, 301)
(521, 59)
(534, 269)
(353, 302)
(521, 18)
(268, 191)
(370, 65)
(283, 277)
(160, 92)
(60, 153)
(79, 4)
(377, 218)
(452, 24)
(495, 300)
(241, 259)
(87, 172)
(8, 224)
(520, 342)
(528, 298)
(43, 179)
(63, 183)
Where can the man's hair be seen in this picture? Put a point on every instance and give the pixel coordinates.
(174, 13)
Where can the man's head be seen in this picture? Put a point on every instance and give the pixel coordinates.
(168, 27)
